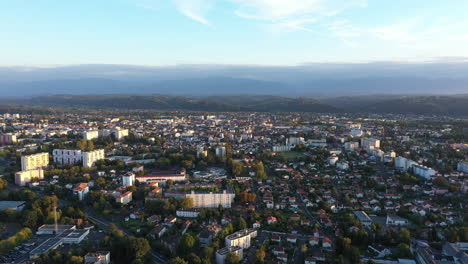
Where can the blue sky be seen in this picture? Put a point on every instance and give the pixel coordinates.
(260, 32)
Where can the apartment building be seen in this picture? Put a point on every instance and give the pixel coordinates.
(370, 143)
(423, 171)
(124, 198)
(222, 253)
(206, 199)
(24, 177)
(34, 161)
(91, 134)
(240, 238)
(128, 179)
(90, 158)
(462, 166)
(81, 190)
(67, 156)
(7, 139)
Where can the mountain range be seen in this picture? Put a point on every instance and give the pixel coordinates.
(426, 105)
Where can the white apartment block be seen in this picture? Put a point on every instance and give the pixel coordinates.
(81, 190)
(34, 161)
(423, 171)
(240, 238)
(295, 140)
(92, 134)
(128, 179)
(206, 199)
(462, 166)
(282, 148)
(370, 143)
(7, 139)
(220, 151)
(404, 164)
(90, 158)
(188, 213)
(351, 146)
(66, 156)
(222, 253)
(24, 177)
(124, 198)
(119, 133)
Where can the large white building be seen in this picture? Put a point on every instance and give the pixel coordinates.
(7, 139)
(462, 166)
(90, 158)
(282, 148)
(124, 198)
(295, 140)
(222, 253)
(351, 146)
(34, 161)
(206, 199)
(81, 190)
(91, 134)
(24, 177)
(119, 133)
(220, 151)
(370, 143)
(66, 156)
(423, 171)
(404, 164)
(240, 238)
(128, 179)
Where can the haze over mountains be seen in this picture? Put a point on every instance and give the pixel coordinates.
(332, 79)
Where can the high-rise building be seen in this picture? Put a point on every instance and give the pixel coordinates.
(34, 161)
(92, 134)
(24, 177)
(90, 158)
(221, 151)
(128, 179)
(370, 143)
(66, 156)
(7, 139)
(462, 166)
(206, 199)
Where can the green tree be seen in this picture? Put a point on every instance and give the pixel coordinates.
(177, 260)
(232, 258)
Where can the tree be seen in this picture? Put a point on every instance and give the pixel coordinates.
(194, 259)
(260, 255)
(186, 203)
(241, 224)
(232, 258)
(187, 243)
(177, 260)
(139, 247)
(404, 236)
(75, 260)
(30, 219)
(3, 184)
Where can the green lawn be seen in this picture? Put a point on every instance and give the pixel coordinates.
(293, 154)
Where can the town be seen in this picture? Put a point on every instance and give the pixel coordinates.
(89, 186)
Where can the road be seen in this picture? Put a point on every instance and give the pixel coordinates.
(158, 259)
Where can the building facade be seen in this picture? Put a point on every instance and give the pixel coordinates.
(206, 199)
(34, 161)
(24, 177)
(90, 158)
(66, 156)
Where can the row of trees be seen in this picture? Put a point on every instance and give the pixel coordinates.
(13, 241)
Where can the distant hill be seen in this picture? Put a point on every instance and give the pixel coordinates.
(427, 105)
(199, 87)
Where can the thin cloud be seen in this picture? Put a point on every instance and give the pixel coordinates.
(195, 9)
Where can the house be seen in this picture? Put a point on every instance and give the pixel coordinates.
(278, 250)
(291, 238)
(271, 220)
(81, 190)
(326, 242)
(276, 238)
(393, 220)
(283, 257)
(310, 260)
(206, 238)
(170, 221)
(314, 241)
(256, 225)
(157, 232)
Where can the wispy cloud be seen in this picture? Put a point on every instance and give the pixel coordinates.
(195, 9)
(293, 14)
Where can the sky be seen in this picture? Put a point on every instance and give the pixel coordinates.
(232, 32)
